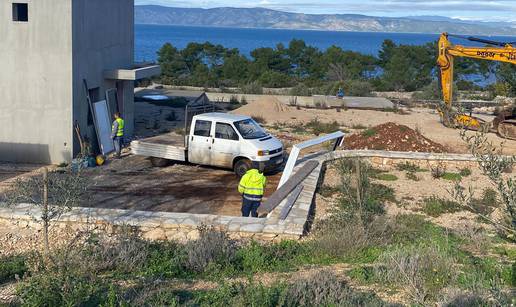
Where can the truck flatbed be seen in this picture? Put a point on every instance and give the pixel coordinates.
(167, 146)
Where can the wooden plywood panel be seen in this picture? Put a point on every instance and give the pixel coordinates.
(103, 125)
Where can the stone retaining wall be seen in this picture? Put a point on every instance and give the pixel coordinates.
(385, 159)
(184, 226)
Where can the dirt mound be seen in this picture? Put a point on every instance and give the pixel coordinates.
(392, 137)
(262, 107)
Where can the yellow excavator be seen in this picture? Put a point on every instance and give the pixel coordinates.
(505, 123)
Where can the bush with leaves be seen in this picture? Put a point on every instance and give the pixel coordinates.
(425, 270)
(54, 193)
(211, 248)
(493, 164)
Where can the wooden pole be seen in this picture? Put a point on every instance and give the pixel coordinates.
(359, 179)
(45, 209)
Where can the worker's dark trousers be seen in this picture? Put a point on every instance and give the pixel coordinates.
(250, 207)
(117, 141)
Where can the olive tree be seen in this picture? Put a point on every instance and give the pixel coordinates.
(496, 166)
(54, 193)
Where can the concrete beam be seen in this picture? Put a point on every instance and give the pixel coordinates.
(133, 74)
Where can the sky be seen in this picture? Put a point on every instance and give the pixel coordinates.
(485, 10)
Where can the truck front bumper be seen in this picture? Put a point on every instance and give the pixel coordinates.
(274, 163)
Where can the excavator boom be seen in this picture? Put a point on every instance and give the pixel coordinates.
(445, 60)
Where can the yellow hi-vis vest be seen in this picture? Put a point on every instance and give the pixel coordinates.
(252, 185)
(121, 124)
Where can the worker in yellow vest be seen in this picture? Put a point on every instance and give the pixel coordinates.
(117, 133)
(252, 186)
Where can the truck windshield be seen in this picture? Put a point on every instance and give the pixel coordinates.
(249, 129)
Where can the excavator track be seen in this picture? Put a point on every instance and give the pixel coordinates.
(507, 129)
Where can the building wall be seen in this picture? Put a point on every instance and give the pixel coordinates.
(35, 83)
(103, 39)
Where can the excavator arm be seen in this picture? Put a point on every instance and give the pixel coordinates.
(445, 60)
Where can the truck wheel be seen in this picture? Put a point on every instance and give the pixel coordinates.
(241, 167)
(159, 162)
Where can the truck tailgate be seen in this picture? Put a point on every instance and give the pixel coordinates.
(167, 146)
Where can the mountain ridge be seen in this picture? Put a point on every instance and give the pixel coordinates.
(272, 19)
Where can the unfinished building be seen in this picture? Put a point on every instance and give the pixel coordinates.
(53, 53)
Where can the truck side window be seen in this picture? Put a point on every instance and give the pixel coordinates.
(226, 132)
(202, 128)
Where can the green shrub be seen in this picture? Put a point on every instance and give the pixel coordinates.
(165, 260)
(465, 172)
(435, 206)
(412, 176)
(487, 203)
(300, 90)
(323, 288)
(240, 294)
(282, 256)
(424, 270)
(233, 100)
(212, 248)
(358, 88)
(12, 266)
(411, 228)
(62, 288)
(369, 132)
(363, 274)
(317, 127)
(438, 170)
(409, 167)
(243, 101)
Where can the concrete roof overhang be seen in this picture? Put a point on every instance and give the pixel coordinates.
(135, 73)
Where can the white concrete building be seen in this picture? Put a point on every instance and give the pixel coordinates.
(48, 48)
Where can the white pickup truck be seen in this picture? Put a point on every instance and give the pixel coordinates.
(216, 139)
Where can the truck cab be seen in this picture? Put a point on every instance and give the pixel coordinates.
(232, 141)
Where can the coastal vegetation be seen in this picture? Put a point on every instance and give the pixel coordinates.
(308, 70)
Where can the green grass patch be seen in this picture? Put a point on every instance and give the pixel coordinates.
(363, 274)
(386, 177)
(451, 176)
(435, 206)
(369, 132)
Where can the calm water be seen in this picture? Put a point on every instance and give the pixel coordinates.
(149, 38)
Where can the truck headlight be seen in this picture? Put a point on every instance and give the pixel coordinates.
(262, 153)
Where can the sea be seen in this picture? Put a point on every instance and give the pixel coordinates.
(149, 38)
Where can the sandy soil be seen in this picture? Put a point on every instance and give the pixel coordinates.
(132, 183)
(410, 195)
(425, 121)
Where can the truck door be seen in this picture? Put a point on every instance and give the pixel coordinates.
(225, 146)
(199, 147)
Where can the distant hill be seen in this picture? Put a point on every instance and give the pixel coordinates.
(265, 18)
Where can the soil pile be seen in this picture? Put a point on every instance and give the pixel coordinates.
(262, 107)
(392, 137)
